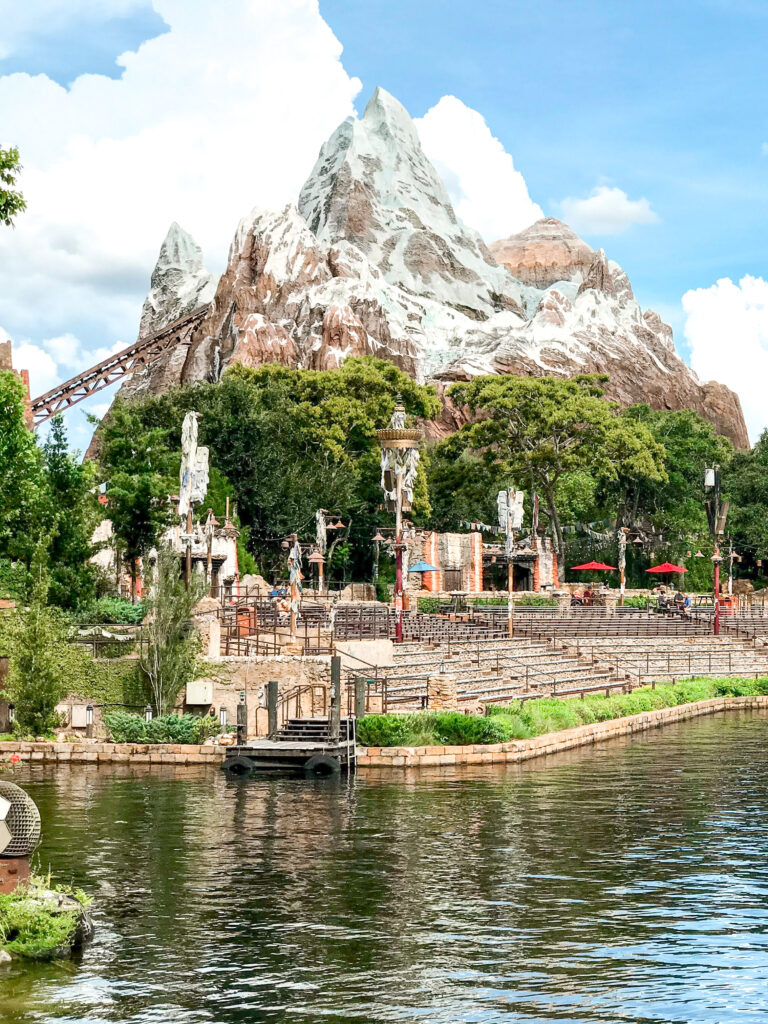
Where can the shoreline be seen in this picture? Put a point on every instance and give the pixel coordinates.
(509, 752)
(516, 751)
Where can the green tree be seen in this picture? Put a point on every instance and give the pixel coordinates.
(747, 486)
(541, 428)
(291, 441)
(674, 506)
(12, 202)
(463, 483)
(72, 513)
(21, 470)
(136, 461)
(38, 663)
(168, 655)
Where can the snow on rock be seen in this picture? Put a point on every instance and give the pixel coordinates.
(179, 283)
(373, 186)
(374, 261)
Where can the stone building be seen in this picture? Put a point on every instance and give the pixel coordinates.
(466, 564)
(225, 573)
(6, 363)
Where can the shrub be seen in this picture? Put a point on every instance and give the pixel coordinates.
(111, 610)
(124, 727)
(34, 927)
(637, 601)
(539, 716)
(37, 644)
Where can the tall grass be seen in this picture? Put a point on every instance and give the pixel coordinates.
(542, 715)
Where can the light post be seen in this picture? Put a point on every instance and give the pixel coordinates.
(89, 721)
(148, 713)
(399, 465)
(377, 539)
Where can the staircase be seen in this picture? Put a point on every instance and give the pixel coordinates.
(312, 730)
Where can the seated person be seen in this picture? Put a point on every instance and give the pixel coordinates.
(588, 595)
(679, 602)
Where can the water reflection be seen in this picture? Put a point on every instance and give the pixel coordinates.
(626, 883)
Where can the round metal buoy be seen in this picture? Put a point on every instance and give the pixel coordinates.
(238, 766)
(322, 764)
(19, 821)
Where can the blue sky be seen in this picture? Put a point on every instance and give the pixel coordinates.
(662, 101)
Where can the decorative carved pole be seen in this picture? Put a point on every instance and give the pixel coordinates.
(399, 466)
(193, 482)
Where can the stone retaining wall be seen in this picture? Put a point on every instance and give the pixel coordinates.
(514, 751)
(114, 753)
(511, 752)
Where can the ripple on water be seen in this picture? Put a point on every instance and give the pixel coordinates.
(623, 883)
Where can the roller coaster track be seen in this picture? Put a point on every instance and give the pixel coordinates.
(142, 353)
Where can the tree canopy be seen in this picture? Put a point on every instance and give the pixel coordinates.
(539, 430)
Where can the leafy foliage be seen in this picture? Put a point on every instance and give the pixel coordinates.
(112, 610)
(12, 202)
(34, 926)
(37, 646)
(542, 715)
(290, 441)
(137, 462)
(541, 430)
(168, 657)
(127, 728)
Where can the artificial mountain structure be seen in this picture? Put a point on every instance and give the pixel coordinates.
(374, 261)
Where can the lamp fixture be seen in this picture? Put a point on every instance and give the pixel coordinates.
(378, 537)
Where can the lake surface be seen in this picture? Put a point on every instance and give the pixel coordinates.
(627, 883)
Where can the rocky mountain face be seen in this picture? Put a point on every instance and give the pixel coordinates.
(374, 261)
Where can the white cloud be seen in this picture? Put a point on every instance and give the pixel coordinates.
(224, 111)
(487, 192)
(54, 360)
(606, 211)
(727, 329)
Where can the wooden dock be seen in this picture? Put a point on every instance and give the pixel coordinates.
(302, 745)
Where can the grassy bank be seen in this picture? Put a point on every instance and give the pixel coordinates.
(40, 921)
(519, 721)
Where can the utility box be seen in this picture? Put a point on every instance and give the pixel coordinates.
(77, 717)
(200, 692)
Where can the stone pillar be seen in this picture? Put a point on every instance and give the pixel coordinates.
(608, 601)
(205, 616)
(441, 692)
(563, 601)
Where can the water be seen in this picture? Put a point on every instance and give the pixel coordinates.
(628, 883)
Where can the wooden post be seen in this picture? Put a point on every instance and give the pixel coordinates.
(271, 708)
(360, 685)
(334, 716)
(242, 721)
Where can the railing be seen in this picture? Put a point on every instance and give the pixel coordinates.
(292, 704)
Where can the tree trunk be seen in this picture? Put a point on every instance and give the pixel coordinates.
(133, 580)
(554, 521)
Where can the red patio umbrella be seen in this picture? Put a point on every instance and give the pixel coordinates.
(667, 567)
(594, 567)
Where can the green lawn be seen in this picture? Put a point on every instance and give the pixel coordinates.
(539, 716)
